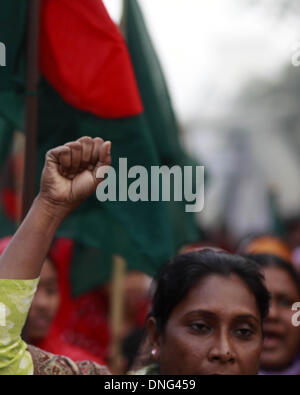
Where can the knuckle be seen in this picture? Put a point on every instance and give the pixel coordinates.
(73, 145)
(98, 140)
(49, 153)
(86, 139)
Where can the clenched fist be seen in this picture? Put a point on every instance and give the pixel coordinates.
(69, 174)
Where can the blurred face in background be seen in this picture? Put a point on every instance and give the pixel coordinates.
(282, 339)
(45, 304)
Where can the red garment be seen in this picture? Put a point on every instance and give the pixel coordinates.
(88, 325)
(70, 327)
(9, 202)
(4, 243)
(84, 57)
(56, 343)
(83, 321)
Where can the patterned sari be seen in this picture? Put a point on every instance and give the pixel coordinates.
(18, 358)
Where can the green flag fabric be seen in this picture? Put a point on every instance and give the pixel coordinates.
(159, 111)
(147, 233)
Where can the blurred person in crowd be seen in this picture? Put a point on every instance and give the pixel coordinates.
(88, 325)
(136, 301)
(194, 247)
(133, 350)
(281, 347)
(265, 244)
(44, 306)
(292, 228)
(208, 307)
(296, 259)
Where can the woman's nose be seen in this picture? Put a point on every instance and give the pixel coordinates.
(41, 300)
(273, 311)
(222, 350)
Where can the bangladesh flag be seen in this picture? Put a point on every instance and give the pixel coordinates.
(158, 111)
(89, 86)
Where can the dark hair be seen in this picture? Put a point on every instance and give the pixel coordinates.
(182, 273)
(268, 260)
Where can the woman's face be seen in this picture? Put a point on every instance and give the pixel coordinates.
(45, 304)
(282, 339)
(215, 329)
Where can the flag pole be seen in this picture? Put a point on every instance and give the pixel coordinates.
(117, 313)
(31, 105)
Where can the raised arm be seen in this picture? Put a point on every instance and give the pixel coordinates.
(68, 178)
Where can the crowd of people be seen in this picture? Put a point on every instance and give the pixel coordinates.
(211, 311)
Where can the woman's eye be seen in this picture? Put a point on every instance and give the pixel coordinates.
(52, 291)
(244, 333)
(202, 328)
(285, 302)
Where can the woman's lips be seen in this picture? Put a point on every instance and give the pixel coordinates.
(40, 323)
(272, 340)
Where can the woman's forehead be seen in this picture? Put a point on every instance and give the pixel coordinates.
(279, 280)
(48, 270)
(221, 295)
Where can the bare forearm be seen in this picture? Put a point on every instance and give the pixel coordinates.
(24, 256)
(69, 177)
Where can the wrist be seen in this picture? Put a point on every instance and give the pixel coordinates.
(53, 211)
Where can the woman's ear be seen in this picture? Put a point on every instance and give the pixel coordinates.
(154, 338)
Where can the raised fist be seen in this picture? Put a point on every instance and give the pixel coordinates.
(69, 174)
